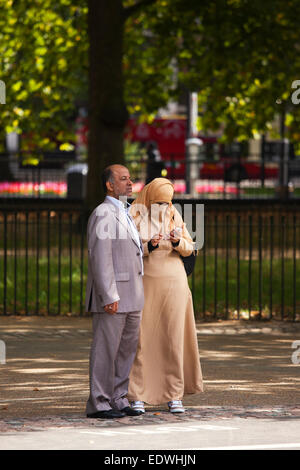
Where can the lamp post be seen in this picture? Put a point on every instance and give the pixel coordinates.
(283, 188)
(193, 144)
(12, 143)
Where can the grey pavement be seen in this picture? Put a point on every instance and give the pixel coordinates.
(251, 374)
(191, 435)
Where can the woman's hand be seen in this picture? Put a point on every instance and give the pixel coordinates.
(175, 234)
(156, 239)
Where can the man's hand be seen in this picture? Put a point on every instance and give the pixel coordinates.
(111, 308)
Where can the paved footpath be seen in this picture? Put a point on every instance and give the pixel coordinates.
(250, 370)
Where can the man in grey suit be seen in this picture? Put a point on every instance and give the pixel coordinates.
(115, 296)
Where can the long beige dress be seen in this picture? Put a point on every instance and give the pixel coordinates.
(167, 364)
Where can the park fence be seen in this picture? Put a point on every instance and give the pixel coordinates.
(248, 267)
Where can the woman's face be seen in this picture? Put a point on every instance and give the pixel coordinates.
(159, 211)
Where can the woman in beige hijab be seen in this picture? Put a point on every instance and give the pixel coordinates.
(167, 364)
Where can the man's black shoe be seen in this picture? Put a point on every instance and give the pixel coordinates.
(130, 412)
(107, 414)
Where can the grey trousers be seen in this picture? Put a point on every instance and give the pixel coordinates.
(113, 349)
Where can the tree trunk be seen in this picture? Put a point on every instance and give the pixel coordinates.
(107, 111)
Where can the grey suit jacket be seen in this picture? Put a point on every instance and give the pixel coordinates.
(114, 262)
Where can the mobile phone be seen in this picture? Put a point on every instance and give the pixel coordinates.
(177, 232)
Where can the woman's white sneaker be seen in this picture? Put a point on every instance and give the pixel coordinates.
(138, 406)
(175, 406)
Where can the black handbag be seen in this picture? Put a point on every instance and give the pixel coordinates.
(189, 262)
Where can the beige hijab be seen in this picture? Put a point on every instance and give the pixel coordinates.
(159, 190)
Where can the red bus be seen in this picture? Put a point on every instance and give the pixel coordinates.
(218, 161)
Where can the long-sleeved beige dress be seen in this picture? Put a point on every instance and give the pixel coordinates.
(167, 364)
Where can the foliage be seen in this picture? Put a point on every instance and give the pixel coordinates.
(43, 64)
(241, 56)
(135, 159)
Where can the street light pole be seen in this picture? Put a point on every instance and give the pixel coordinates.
(192, 144)
(284, 155)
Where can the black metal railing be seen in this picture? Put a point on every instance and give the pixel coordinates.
(248, 267)
(42, 262)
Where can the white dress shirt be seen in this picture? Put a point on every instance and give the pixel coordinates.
(133, 230)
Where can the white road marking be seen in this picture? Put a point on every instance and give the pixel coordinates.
(251, 447)
(160, 430)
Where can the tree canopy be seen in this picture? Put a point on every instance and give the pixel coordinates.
(43, 62)
(241, 56)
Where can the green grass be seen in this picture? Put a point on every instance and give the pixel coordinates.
(51, 286)
(263, 292)
(51, 292)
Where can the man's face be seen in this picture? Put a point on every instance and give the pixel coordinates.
(122, 184)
